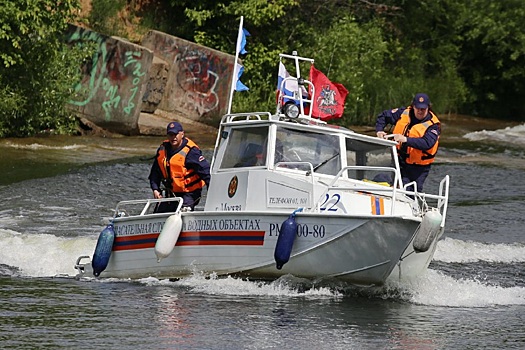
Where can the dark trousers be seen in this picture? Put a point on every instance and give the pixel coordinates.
(189, 200)
(417, 173)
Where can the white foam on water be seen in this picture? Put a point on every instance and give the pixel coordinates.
(436, 289)
(38, 146)
(232, 286)
(452, 250)
(509, 135)
(43, 255)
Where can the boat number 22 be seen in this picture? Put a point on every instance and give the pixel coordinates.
(330, 202)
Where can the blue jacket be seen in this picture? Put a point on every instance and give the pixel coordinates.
(390, 117)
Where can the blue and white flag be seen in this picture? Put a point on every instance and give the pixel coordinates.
(241, 41)
(239, 86)
(290, 87)
(239, 69)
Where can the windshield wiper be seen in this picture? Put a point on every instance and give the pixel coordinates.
(324, 162)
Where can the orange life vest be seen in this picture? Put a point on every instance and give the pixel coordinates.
(413, 155)
(181, 178)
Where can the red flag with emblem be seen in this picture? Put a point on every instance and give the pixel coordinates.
(329, 100)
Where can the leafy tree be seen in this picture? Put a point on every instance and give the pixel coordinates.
(37, 70)
(469, 56)
(493, 57)
(103, 17)
(376, 50)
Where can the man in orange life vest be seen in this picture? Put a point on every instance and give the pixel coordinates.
(416, 130)
(181, 167)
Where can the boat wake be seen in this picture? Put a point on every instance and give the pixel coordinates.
(452, 250)
(40, 146)
(437, 289)
(289, 286)
(44, 255)
(509, 135)
(428, 290)
(41, 255)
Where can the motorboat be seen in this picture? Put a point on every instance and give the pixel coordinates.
(290, 194)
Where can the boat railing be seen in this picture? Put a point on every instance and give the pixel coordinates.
(304, 90)
(387, 190)
(242, 117)
(122, 207)
(442, 198)
(419, 199)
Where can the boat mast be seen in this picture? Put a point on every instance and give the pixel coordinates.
(236, 65)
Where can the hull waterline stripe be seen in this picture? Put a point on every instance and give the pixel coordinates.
(221, 238)
(135, 242)
(193, 238)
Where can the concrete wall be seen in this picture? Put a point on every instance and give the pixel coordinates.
(165, 73)
(199, 79)
(111, 90)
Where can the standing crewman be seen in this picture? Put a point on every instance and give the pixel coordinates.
(416, 130)
(180, 166)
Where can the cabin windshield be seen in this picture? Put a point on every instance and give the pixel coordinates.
(368, 154)
(246, 148)
(321, 150)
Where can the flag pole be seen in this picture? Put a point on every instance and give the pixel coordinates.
(235, 66)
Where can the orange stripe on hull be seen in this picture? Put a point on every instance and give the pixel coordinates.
(378, 206)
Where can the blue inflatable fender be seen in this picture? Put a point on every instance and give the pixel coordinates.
(284, 245)
(103, 250)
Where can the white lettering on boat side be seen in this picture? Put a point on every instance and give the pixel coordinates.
(138, 228)
(231, 207)
(287, 200)
(222, 225)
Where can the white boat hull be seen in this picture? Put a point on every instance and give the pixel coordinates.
(412, 264)
(359, 250)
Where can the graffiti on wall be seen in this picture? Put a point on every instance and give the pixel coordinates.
(111, 86)
(198, 80)
(111, 79)
(202, 77)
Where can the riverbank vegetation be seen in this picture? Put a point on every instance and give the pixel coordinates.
(468, 56)
(38, 70)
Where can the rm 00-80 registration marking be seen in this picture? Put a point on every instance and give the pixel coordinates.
(303, 230)
(316, 231)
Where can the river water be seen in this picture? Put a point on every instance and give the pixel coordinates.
(57, 193)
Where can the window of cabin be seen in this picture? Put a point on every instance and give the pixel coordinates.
(246, 147)
(321, 150)
(367, 154)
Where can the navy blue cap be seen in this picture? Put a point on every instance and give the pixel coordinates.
(174, 127)
(421, 101)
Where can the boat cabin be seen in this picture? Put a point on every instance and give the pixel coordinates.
(290, 160)
(265, 161)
